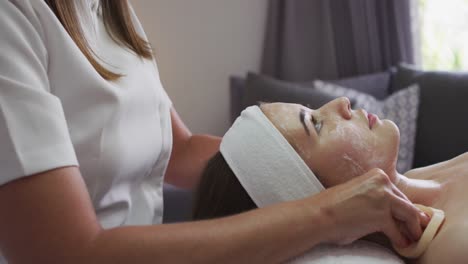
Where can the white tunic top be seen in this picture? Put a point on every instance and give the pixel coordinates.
(56, 110)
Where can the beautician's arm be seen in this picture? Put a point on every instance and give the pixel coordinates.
(189, 154)
(48, 218)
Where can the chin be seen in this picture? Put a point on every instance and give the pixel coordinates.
(394, 137)
(392, 128)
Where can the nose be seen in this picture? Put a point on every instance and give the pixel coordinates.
(338, 107)
(343, 106)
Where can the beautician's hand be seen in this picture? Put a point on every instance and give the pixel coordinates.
(372, 203)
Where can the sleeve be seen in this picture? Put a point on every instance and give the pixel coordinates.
(34, 136)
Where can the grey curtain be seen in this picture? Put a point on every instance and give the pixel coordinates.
(329, 39)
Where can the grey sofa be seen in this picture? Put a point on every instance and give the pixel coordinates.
(442, 125)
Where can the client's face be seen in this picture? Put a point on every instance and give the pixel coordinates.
(337, 143)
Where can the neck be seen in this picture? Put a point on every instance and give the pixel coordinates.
(420, 191)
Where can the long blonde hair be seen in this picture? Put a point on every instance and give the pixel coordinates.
(118, 23)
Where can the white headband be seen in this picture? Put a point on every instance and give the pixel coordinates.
(267, 166)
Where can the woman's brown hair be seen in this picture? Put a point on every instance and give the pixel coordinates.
(118, 22)
(219, 192)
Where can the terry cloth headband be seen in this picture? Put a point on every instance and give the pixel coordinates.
(267, 166)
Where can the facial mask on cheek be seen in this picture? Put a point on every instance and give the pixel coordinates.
(355, 168)
(350, 134)
(360, 148)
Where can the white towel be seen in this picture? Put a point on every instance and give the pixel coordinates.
(359, 252)
(267, 166)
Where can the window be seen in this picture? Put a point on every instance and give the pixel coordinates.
(443, 34)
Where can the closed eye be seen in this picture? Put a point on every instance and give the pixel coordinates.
(317, 124)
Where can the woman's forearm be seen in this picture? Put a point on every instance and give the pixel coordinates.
(189, 154)
(40, 228)
(268, 235)
(48, 218)
(189, 158)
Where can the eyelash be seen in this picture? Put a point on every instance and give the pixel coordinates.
(317, 125)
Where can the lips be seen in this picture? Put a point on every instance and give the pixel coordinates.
(372, 120)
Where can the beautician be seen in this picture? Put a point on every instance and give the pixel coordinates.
(88, 136)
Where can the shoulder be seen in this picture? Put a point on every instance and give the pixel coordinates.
(449, 246)
(22, 15)
(25, 23)
(27, 8)
(21, 29)
(433, 171)
(461, 158)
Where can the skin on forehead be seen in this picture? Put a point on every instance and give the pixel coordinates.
(283, 116)
(286, 118)
(344, 147)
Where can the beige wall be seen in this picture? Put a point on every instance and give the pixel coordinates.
(199, 44)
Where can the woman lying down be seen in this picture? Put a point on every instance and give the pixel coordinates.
(347, 158)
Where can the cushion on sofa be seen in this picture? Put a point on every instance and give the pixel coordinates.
(443, 109)
(177, 204)
(400, 107)
(375, 84)
(237, 91)
(261, 88)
